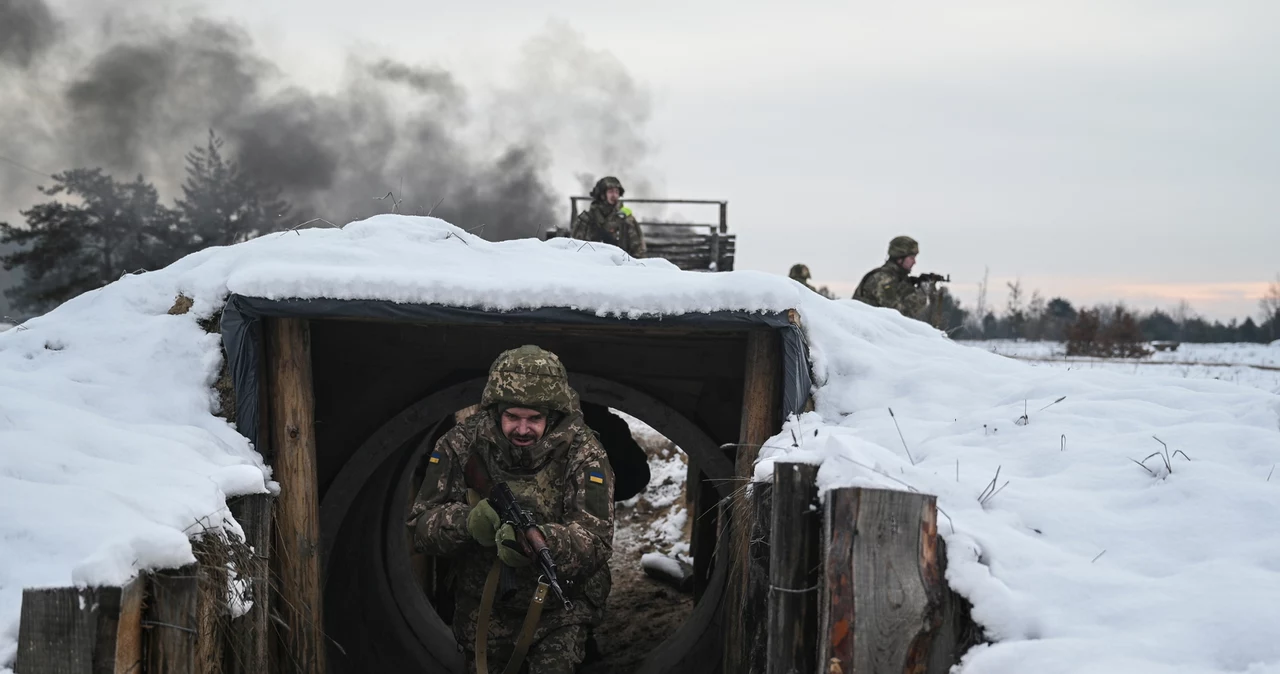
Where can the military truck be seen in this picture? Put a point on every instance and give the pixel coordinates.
(690, 246)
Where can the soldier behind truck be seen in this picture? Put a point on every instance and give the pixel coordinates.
(608, 221)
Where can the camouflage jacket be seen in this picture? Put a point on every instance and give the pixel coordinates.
(565, 480)
(612, 225)
(888, 286)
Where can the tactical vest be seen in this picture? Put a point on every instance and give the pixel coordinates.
(542, 492)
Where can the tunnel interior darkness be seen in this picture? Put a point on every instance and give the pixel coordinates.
(385, 389)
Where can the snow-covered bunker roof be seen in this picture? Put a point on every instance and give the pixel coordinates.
(110, 453)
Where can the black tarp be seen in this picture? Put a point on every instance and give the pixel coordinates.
(242, 336)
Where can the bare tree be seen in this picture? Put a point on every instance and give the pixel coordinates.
(980, 312)
(1270, 306)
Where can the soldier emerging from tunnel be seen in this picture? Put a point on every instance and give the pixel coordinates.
(529, 433)
(607, 221)
(891, 285)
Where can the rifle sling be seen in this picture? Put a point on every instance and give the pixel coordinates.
(530, 626)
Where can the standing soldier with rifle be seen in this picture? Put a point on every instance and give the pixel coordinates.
(607, 221)
(891, 284)
(520, 496)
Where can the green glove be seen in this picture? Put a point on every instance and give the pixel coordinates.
(509, 549)
(483, 522)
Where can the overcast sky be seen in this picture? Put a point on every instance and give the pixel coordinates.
(1098, 150)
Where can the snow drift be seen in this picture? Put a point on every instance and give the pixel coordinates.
(1082, 561)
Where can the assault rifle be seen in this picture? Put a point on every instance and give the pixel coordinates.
(927, 278)
(529, 541)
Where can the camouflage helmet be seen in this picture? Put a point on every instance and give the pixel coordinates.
(603, 185)
(531, 377)
(903, 246)
(799, 272)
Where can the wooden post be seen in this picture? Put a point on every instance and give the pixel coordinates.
(247, 650)
(172, 622)
(881, 549)
(761, 419)
(755, 606)
(69, 630)
(703, 505)
(794, 564)
(293, 443)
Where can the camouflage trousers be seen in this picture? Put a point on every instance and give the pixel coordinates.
(555, 650)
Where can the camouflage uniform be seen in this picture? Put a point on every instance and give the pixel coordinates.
(565, 480)
(612, 224)
(800, 274)
(890, 285)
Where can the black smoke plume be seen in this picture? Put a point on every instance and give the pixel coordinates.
(138, 104)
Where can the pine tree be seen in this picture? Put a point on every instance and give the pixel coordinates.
(222, 204)
(68, 248)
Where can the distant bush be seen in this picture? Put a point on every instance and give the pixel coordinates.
(1113, 333)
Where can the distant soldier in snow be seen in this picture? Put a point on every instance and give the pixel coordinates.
(607, 221)
(800, 274)
(529, 432)
(891, 285)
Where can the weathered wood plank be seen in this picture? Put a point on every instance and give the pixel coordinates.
(129, 634)
(760, 420)
(883, 600)
(171, 621)
(755, 608)
(702, 497)
(836, 605)
(890, 593)
(68, 630)
(248, 636)
(794, 570)
(298, 506)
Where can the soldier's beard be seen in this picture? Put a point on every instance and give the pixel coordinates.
(523, 439)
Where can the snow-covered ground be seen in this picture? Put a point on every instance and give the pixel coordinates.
(1084, 562)
(1256, 365)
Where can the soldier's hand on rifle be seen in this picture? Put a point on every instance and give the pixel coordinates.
(483, 523)
(509, 549)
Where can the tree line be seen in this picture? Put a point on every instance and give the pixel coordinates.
(1035, 318)
(95, 228)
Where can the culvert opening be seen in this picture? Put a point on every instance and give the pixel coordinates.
(384, 377)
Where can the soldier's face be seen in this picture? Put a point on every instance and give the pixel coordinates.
(908, 262)
(611, 196)
(523, 427)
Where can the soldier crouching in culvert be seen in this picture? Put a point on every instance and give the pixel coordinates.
(530, 436)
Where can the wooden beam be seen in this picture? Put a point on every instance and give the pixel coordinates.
(171, 621)
(297, 540)
(761, 419)
(69, 630)
(755, 603)
(882, 604)
(129, 635)
(793, 570)
(248, 636)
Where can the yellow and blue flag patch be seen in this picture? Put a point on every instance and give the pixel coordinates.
(435, 457)
(595, 477)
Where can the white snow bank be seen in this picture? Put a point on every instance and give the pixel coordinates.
(1085, 561)
(112, 456)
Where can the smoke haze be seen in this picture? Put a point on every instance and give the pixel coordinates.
(138, 103)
